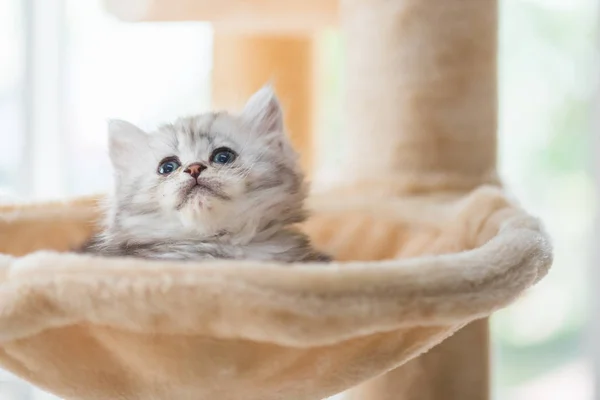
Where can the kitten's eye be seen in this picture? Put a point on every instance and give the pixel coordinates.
(223, 155)
(168, 166)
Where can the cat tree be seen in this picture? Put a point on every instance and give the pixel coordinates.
(427, 245)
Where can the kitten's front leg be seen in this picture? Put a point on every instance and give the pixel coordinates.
(316, 256)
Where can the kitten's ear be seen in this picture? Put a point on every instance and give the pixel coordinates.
(125, 140)
(263, 111)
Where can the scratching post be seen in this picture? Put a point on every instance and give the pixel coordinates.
(421, 98)
(245, 62)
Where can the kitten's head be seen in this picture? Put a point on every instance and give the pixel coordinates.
(209, 175)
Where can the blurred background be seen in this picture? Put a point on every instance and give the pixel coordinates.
(67, 65)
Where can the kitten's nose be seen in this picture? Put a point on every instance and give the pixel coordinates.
(195, 169)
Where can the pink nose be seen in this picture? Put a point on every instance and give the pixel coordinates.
(195, 169)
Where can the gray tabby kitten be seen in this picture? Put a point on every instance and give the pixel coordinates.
(214, 186)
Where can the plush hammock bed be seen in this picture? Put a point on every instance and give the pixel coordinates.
(425, 243)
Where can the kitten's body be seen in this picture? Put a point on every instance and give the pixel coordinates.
(284, 246)
(205, 209)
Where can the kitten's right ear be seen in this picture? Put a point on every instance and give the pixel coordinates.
(263, 111)
(125, 140)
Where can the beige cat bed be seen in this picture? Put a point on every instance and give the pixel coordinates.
(88, 328)
(419, 192)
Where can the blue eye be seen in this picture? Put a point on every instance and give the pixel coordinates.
(223, 155)
(168, 166)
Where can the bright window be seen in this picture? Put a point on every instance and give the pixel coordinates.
(12, 88)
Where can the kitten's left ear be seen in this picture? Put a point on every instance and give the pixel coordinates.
(125, 140)
(263, 111)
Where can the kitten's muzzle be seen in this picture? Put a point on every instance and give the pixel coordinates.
(195, 169)
(201, 185)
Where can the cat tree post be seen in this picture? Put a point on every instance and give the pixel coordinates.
(245, 62)
(421, 117)
(421, 91)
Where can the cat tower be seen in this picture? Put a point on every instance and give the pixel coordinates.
(426, 242)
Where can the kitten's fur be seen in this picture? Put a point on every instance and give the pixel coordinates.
(244, 210)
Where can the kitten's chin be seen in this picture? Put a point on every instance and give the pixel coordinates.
(203, 212)
(201, 195)
(193, 199)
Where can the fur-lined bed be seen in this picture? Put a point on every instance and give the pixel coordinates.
(92, 328)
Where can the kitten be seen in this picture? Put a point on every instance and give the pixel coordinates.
(214, 186)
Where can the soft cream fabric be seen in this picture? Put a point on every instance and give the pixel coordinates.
(91, 328)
